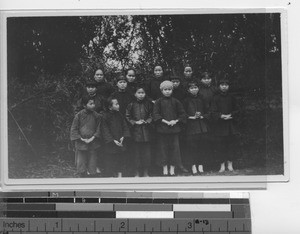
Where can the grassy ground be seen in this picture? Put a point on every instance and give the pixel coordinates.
(58, 166)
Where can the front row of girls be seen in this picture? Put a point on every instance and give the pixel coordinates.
(132, 116)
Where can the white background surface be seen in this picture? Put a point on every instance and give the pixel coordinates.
(276, 209)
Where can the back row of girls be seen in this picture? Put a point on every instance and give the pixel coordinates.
(175, 122)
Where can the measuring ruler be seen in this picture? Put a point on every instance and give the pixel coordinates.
(122, 212)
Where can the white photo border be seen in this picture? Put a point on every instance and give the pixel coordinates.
(153, 183)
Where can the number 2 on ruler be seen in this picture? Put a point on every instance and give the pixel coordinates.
(122, 225)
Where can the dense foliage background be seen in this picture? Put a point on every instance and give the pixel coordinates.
(49, 58)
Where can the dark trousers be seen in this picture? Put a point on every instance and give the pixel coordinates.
(226, 148)
(183, 148)
(114, 163)
(169, 150)
(129, 154)
(196, 149)
(209, 147)
(86, 161)
(100, 156)
(154, 149)
(142, 155)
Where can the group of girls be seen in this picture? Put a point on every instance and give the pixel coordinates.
(178, 123)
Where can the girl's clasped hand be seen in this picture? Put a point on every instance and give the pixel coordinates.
(226, 117)
(88, 140)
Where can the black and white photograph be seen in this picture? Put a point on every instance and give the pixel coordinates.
(192, 96)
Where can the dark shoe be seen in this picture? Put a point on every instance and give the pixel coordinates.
(200, 173)
(182, 169)
(83, 175)
(96, 175)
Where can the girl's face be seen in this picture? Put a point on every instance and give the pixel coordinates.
(206, 80)
(140, 94)
(130, 76)
(167, 92)
(158, 71)
(122, 84)
(224, 87)
(91, 90)
(193, 90)
(90, 105)
(188, 72)
(99, 76)
(176, 83)
(114, 105)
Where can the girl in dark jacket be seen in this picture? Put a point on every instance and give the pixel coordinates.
(169, 115)
(85, 133)
(224, 111)
(91, 92)
(153, 85)
(115, 131)
(178, 92)
(188, 77)
(104, 88)
(122, 94)
(206, 89)
(139, 115)
(132, 82)
(196, 128)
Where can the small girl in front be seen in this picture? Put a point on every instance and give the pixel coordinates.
(139, 115)
(224, 111)
(115, 132)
